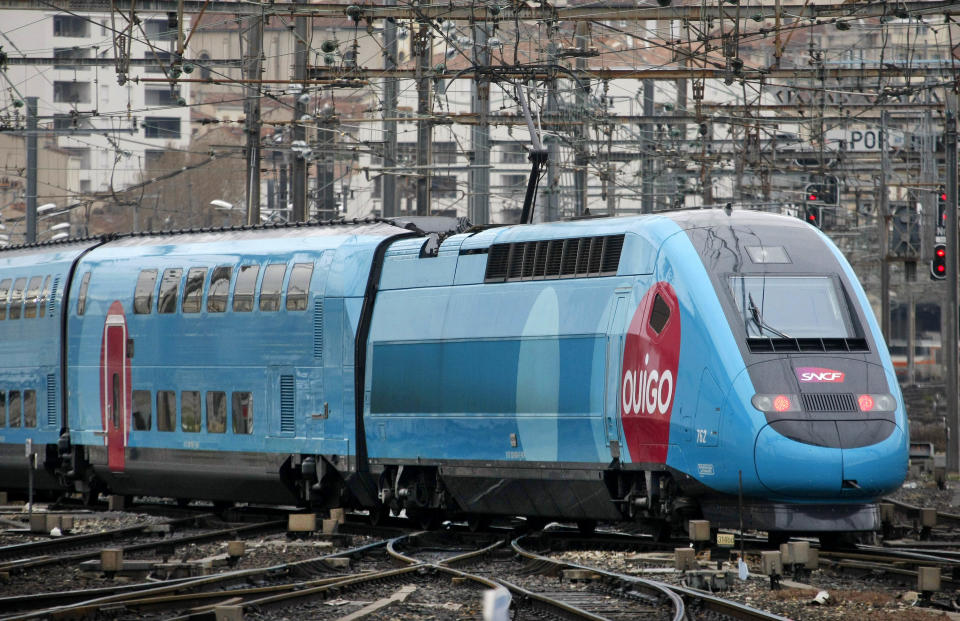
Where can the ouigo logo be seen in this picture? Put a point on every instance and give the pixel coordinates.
(817, 374)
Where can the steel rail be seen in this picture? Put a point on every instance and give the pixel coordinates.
(711, 602)
(43, 561)
(79, 603)
(33, 548)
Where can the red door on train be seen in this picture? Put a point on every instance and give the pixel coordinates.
(115, 392)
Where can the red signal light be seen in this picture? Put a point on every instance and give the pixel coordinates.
(865, 402)
(941, 251)
(941, 269)
(943, 197)
(812, 197)
(781, 403)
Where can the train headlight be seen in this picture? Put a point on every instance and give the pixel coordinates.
(776, 403)
(876, 403)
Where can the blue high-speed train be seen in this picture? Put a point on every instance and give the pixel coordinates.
(651, 367)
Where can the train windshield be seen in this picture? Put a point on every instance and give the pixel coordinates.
(791, 307)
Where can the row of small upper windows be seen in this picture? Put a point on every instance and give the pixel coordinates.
(23, 299)
(22, 406)
(216, 288)
(191, 411)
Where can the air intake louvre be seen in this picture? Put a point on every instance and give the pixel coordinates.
(52, 400)
(288, 423)
(318, 330)
(52, 302)
(770, 346)
(828, 402)
(577, 257)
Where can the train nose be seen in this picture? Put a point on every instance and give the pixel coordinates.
(819, 465)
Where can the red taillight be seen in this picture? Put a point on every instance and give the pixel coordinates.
(781, 403)
(865, 402)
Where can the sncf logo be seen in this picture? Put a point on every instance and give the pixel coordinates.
(816, 374)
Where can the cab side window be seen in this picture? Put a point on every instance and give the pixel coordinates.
(82, 298)
(659, 314)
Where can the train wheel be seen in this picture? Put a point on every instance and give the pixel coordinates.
(535, 524)
(379, 515)
(476, 523)
(427, 519)
(587, 527)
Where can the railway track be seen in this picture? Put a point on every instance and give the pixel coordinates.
(697, 602)
(79, 548)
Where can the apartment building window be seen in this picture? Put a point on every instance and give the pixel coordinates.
(160, 97)
(443, 187)
(71, 92)
(70, 26)
(515, 183)
(63, 57)
(161, 127)
(81, 153)
(513, 153)
(156, 61)
(159, 30)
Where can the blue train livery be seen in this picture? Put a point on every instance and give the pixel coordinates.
(639, 368)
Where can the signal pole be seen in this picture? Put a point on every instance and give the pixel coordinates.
(31, 236)
(299, 164)
(253, 41)
(950, 307)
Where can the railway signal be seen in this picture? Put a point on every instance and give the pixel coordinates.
(813, 206)
(941, 208)
(938, 266)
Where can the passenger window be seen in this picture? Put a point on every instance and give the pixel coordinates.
(44, 296)
(143, 295)
(29, 408)
(216, 412)
(299, 286)
(166, 410)
(193, 290)
(4, 292)
(31, 296)
(242, 412)
(219, 289)
(271, 286)
(82, 301)
(246, 285)
(16, 298)
(3, 409)
(190, 410)
(30, 300)
(142, 414)
(14, 404)
(169, 289)
(659, 314)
